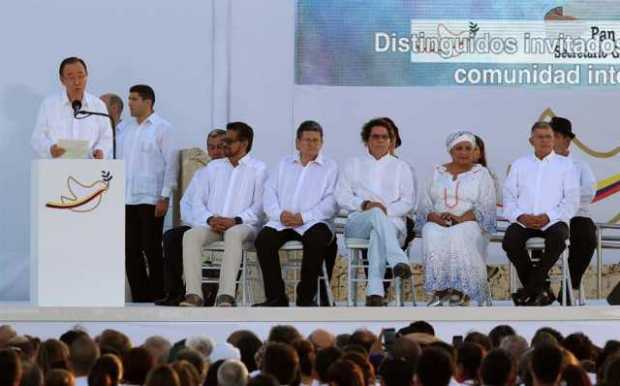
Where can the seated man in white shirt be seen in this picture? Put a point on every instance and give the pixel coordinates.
(56, 120)
(541, 195)
(582, 229)
(151, 170)
(300, 205)
(227, 206)
(378, 191)
(173, 238)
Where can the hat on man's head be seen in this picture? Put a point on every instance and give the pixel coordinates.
(562, 126)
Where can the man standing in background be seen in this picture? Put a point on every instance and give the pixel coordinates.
(150, 177)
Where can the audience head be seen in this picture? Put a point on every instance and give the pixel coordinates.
(460, 145)
(116, 340)
(480, 156)
(248, 344)
(418, 327)
(543, 337)
(10, 368)
(281, 361)
(306, 354)
(364, 338)
(407, 350)
(342, 340)
(309, 139)
(238, 140)
(53, 354)
(70, 336)
(541, 139)
(546, 364)
(202, 344)
(188, 375)
(498, 369)
(468, 360)
(74, 76)
(500, 332)
(515, 345)
(611, 348)
(83, 354)
(59, 377)
(576, 376)
(435, 368)
(580, 345)
(141, 101)
(114, 105)
(6, 334)
(345, 373)
(562, 134)
(137, 363)
(195, 358)
(356, 348)
(27, 347)
(159, 347)
(162, 375)
(232, 373)
(109, 366)
(612, 371)
(263, 380)
(321, 339)
(324, 358)
(211, 378)
(283, 334)
(396, 372)
(378, 136)
(479, 338)
(215, 143)
(362, 362)
(31, 374)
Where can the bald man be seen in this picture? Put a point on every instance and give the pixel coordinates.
(321, 339)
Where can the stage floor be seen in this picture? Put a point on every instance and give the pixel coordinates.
(598, 320)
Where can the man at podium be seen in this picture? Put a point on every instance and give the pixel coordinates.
(58, 133)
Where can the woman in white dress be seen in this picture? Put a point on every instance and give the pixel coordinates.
(455, 214)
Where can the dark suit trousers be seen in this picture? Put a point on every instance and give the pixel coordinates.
(173, 261)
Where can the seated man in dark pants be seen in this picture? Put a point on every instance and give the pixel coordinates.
(173, 238)
(300, 205)
(582, 228)
(541, 195)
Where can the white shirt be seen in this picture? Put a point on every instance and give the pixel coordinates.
(308, 190)
(55, 122)
(536, 186)
(587, 184)
(150, 160)
(388, 180)
(188, 196)
(228, 191)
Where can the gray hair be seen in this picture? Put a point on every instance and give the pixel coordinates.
(516, 345)
(204, 345)
(216, 133)
(232, 373)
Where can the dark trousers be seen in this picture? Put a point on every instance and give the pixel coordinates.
(173, 261)
(318, 243)
(582, 245)
(533, 276)
(143, 234)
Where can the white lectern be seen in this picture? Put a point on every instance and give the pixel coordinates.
(77, 233)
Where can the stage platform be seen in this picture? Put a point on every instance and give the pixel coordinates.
(598, 320)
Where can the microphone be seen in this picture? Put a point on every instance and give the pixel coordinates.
(77, 106)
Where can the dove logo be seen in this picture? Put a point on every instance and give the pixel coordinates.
(82, 197)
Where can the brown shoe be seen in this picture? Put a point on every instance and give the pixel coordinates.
(192, 300)
(374, 301)
(402, 271)
(225, 301)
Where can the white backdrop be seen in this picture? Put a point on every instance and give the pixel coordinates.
(214, 61)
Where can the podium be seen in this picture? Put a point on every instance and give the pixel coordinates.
(77, 251)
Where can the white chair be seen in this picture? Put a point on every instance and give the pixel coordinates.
(355, 262)
(538, 243)
(215, 264)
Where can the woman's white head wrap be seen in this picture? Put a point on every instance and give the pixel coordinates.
(460, 136)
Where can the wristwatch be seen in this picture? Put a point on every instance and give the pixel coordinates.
(238, 220)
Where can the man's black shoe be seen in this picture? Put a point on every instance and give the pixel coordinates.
(540, 300)
(281, 301)
(170, 300)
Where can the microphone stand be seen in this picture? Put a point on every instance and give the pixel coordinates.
(81, 114)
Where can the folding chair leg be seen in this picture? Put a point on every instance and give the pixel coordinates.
(413, 301)
(350, 280)
(355, 275)
(328, 286)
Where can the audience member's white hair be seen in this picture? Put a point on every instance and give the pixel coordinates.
(232, 373)
(159, 347)
(202, 344)
(224, 351)
(516, 345)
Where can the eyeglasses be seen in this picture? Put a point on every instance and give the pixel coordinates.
(377, 137)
